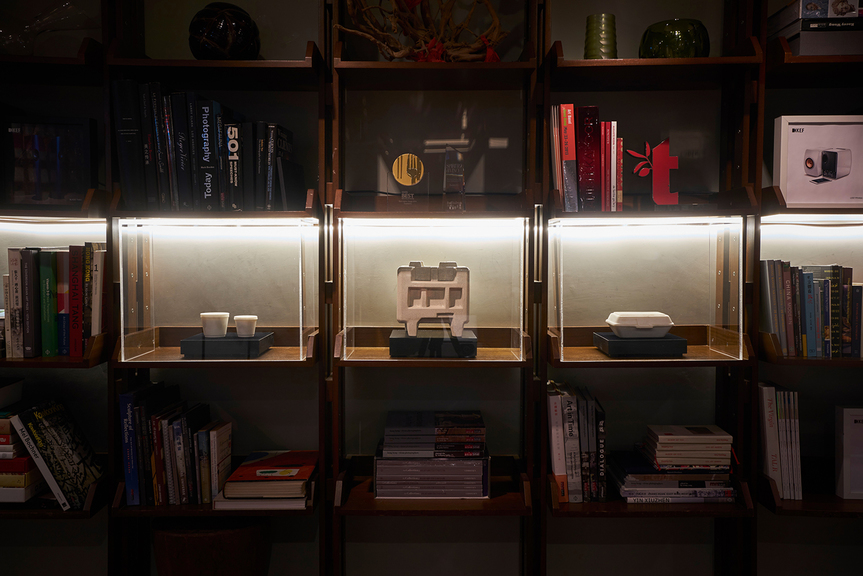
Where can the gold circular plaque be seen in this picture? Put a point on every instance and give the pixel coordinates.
(408, 169)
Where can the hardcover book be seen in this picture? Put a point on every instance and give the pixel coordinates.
(130, 149)
(30, 302)
(589, 156)
(456, 422)
(207, 153)
(272, 474)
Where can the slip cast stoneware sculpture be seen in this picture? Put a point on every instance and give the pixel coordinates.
(430, 294)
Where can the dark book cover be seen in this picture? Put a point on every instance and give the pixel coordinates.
(161, 146)
(182, 159)
(192, 120)
(63, 302)
(601, 454)
(279, 146)
(76, 301)
(260, 166)
(846, 321)
(62, 452)
(292, 185)
(827, 337)
(222, 157)
(208, 161)
(233, 137)
(87, 289)
(171, 153)
(856, 318)
(130, 150)
(795, 310)
(151, 173)
(581, 404)
(788, 292)
(833, 273)
(30, 302)
(247, 164)
(588, 158)
(193, 420)
(591, 442)
(48, 302)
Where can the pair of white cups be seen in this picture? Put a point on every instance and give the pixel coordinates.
(215, 324)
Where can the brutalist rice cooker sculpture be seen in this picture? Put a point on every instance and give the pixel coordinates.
(430, 294)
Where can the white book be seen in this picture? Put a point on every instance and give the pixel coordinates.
(222, 503)
(557, 452)
(7, 322)
(14, 314)
(612, 166)
(40, 462)
(97, 264)
(783, 448)
(571, 444)
(20, 495)
(698, 434)
(770, 458)
(798, 476)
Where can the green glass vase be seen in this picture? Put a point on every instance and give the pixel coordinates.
(600, 38)
(679, 38)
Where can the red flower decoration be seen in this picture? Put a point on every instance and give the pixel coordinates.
(435, 51)
(411, 4)
(490, 54)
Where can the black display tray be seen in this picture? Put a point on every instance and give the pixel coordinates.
(665, 347)
(431, 343)
(231, 346)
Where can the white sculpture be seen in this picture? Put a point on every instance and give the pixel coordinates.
(437, 294)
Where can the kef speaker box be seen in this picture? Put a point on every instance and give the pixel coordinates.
(849, 452)
(818, 161)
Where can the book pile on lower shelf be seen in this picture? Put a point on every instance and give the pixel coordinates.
(780, 439)
(676, 464)
(815, 311)
(180, 152)
(58, 455)
(577, 441)
(20, 479)
(433, 455)
(54, 300)
(818, 28)
(172, 453)
(270, 480)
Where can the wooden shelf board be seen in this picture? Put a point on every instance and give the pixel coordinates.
(170, 357)
(785, 70)
(93, 356)
(773, 202)
(813, 504)
(618, 508)
(649, 73)
(48, 509)
(83, 69)
(771, 351)
(586, 355)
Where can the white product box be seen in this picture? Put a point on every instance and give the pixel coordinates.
(639, 324)
(849, 452)
(813, 160)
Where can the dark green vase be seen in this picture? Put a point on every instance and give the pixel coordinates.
(681, 38)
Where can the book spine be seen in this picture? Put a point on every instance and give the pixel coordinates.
(601, 453)
(779, 298)
(76, 301)
(180, 460)
(247, 149)
(557, 452)
(789, 308)
(856, 316)
(208, 162)
(182, 161)
(260, 165)
(588, 154)
(194, 174)
(612, 165)
(168, 458)
(799, 342)
(32, 439)
(16, 319)
(196, 457)
(270, 167)
(204, 455)
(170, 154)
(161, 154)
(7, 322)
(98, 263)
(151, 174)
(190, 460)
(846, 321)
(30, 302)
(127, 119)
(63, 303)
(222, 158)
(591, 443)
(795, 419)
(160, 494)
(789, 439)
(48, 301)
(783, 446)
(139, 438)
(619, 173)
(811, 328)
(87, 289)
(604, 184)
(235, 166)
(826, 312)
(581, 405)
(130, 448)
(819, 325)
(836, 311)
(288, 172)
(677, 500)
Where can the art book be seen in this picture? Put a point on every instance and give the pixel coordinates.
(272, 474)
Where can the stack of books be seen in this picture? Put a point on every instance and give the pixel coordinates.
(270, 480)
(433, 455)
(172, 453)
(677, 464)
(20, 480)
(577, 437)
(818, 27)
(180, 152)
(54, 300)
(780, 439)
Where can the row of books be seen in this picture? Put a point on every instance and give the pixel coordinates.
(676, 465)
(41, 448)
(53, 300)
(172, 453)
(577, 441)
(179, 152)
(587, 159)
(270, 480)
(780, 438)
(428, 454)
(815, 311)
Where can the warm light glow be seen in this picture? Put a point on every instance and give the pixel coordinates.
(246, 229)
(53, 226)
(609, 229)
(433, 228)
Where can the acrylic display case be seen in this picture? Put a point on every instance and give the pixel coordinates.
(690, 268)
(55, 233)
(173, 269)
(373, 250)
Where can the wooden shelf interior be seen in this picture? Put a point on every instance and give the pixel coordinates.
(578, 346)
(510, 494)
(771, 351)
(94, 354)
(47, 508)
(813, 504)
(785, 70)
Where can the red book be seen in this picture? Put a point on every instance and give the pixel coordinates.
(588, 141)
(18, 465)
(76, 301)
(6, 439)
(603, 165)
(619, 170)
(569, 186)
(276, 466)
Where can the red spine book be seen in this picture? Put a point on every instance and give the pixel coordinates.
(619, 172)
(569, 185)
(76, 301)
(588, 153)
(6, 439)
(18, 465)
(603, 165)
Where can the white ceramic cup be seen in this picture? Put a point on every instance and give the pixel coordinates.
(246, 325)
(215, 324)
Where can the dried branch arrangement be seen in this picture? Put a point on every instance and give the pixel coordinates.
(431, 33)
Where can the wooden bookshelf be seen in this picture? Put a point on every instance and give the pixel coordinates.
(83, 69)
(785, 70)
(95, 352)
(38, 508)
(813, 504)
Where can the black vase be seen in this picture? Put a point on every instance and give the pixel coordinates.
(222, 31)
